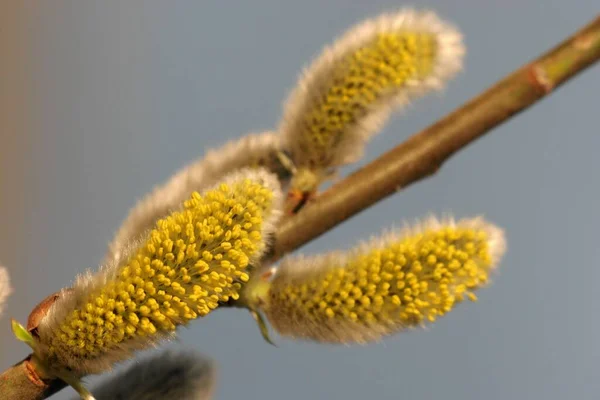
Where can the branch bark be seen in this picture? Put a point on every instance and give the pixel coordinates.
(417, 158)
(425, 152)
(22, 381)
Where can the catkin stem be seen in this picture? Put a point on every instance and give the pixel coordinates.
(417, 158)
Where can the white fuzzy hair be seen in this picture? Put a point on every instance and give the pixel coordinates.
(300, 268)
(314, 80)
(258, 149)
(5, 288)
(85, 284)
(172, 375)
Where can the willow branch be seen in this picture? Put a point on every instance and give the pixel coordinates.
(22, 381)
(417, 158)
(424, 153)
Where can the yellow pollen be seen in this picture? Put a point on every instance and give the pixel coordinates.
(185, 268)
(406, 282)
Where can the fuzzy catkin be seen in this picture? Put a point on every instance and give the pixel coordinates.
(346, 95)
(257, 150)
(192, 261)
(399, 281)
(5, 288)
(169, 375)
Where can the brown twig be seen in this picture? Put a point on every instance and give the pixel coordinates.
(417, 158)
(22, 381)
(423, 154)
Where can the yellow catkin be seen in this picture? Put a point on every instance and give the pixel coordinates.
(346, 95)
(359, 81)
(193, 260)
(388, 285)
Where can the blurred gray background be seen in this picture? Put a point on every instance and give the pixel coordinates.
(99, 101)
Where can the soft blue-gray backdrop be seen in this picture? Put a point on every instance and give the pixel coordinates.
(99, 101)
